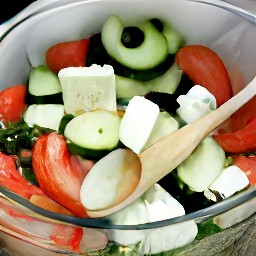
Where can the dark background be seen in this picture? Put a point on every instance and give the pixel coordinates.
(9, 8)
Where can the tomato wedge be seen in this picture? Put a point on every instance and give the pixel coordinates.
(12, 103)
(247, 165)
(11, 178)
(67, 54)
(7, 164)
(58, 176)
(15, 182)
(204, 67)
(239, 141)
(240, 118)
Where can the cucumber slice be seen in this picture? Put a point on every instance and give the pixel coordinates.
(43, 87)
(96, 130)
(174, 39)
(166, 83)
(149, 54)
(128, 88)
(46, 115)
(203, 166)
(97, 54)
(164, 125)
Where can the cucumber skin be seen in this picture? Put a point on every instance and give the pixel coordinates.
(63, 123)
(97, 54)
(91, 154)
(166, 83)
(44, 99)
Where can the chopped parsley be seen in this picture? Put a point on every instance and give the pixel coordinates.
(17, 136)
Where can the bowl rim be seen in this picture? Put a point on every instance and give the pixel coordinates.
(7, 26)
(104, 223)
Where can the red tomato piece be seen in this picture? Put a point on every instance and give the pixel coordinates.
(58, 176)
(240, 118)
(247, 165)
(67, 54)
(11, 178)
(204, 67)
(67, 236)
(240, 141)
(12, 102)
(7, 163)
(84, 165)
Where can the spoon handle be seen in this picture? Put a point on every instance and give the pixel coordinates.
(165, 155)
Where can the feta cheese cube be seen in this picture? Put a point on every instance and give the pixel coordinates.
(88, 88)
(137, 123)
(230, 181)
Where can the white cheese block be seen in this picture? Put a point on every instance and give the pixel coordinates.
(133, 214)
(154, 205)
(197, 103)
(161, 205)
(230, 181)
(88, 88)
(137, 123)
(45, 115)
(158, 205)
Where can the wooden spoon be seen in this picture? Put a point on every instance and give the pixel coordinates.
(163, 156)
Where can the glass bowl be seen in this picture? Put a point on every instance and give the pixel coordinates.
(27, 229)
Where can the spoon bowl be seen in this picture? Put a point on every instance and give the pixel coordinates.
(159, 159)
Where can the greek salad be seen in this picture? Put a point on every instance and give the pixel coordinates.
(124, 87)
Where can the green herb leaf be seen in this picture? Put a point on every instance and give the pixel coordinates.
(17, 136)
(206, 229)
